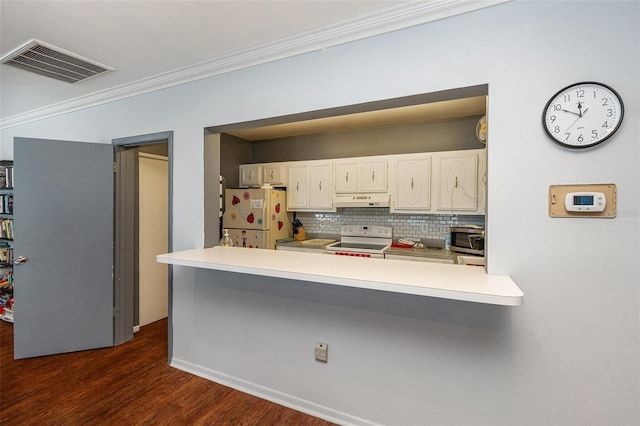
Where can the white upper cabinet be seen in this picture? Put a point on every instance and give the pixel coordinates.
(310, 186)
(275, 173)
(346, 175)
(360, 175)
(411, 191)
(321, 185)
(250, 175)
(438, 183)
(373, 175)
(430, 183)
(298, 186)
(457, 181)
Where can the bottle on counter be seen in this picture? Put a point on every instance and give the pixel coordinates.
(226, 240)
(447, 242)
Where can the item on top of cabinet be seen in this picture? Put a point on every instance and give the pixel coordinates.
(481, 129)
(285, 240)
(434, 243)
(468, 239)
(318, 242)
(298, 230)
(407, 243)
(401, 245)
(301, 235)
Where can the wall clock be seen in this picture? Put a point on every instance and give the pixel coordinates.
(583, 114)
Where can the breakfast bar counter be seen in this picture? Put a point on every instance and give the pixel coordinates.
(457, 282)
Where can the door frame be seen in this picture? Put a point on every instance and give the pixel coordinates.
(125, 240)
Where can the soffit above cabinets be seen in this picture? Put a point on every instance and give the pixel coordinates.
(434, 111)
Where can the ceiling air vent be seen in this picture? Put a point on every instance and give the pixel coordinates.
(51, 61)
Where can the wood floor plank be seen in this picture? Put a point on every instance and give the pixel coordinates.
(130, 384)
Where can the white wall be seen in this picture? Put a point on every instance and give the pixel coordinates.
(153, 201)
(569, 355)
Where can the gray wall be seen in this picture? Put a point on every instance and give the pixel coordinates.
(233, 152)
(426, 137)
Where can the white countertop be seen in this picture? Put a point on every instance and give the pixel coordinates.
(457, 282)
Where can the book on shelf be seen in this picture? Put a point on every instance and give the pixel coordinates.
(6, 204)
(6, 177)
(6, 256)
(6, 229)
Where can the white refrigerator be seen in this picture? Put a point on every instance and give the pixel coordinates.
(256, 218)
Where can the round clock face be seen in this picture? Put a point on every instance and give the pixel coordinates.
(583, 114)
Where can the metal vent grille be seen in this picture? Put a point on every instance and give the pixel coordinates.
(51, 61)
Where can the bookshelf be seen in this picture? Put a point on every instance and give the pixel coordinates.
(6, 240)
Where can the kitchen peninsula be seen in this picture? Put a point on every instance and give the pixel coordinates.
(456, 282)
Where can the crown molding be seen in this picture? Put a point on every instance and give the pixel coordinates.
(376, 23)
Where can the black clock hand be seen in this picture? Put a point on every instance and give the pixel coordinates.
(580, 109)
(570, 112)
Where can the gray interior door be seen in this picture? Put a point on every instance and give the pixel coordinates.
(63, 214)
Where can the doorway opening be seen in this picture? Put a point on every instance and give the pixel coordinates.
(143, 229)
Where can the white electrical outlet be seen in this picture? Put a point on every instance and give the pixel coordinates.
(322, 352)
(425, 228)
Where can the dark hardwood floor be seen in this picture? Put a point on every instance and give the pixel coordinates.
(126, 385)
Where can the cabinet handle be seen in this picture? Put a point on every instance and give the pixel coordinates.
(19, 260)
(271, 174)
(320, 186)
(347, 177)
(373, 175)
(250, 175)
(297, 186)
(411, 183)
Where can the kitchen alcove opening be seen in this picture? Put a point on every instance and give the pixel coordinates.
(430, 122)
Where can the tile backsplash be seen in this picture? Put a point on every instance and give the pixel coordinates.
(403, 225)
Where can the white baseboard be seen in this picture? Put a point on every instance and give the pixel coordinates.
(136, 328)
(272, 395)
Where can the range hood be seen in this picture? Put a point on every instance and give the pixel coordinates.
(361, 200)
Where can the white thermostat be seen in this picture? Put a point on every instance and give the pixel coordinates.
(585, 201)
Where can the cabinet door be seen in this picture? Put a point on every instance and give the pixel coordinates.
(373, 175)
(457, 182)
(298, 187)
(320, 186)
(346, 176)
(412, 190)
(250, 175)
(274, 174)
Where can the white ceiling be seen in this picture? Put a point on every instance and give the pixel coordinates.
(154, 44)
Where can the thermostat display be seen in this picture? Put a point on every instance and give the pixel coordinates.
(585, 201)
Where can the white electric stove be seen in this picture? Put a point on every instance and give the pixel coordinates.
(362, 241)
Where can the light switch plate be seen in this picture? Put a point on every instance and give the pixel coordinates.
(557, 194)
